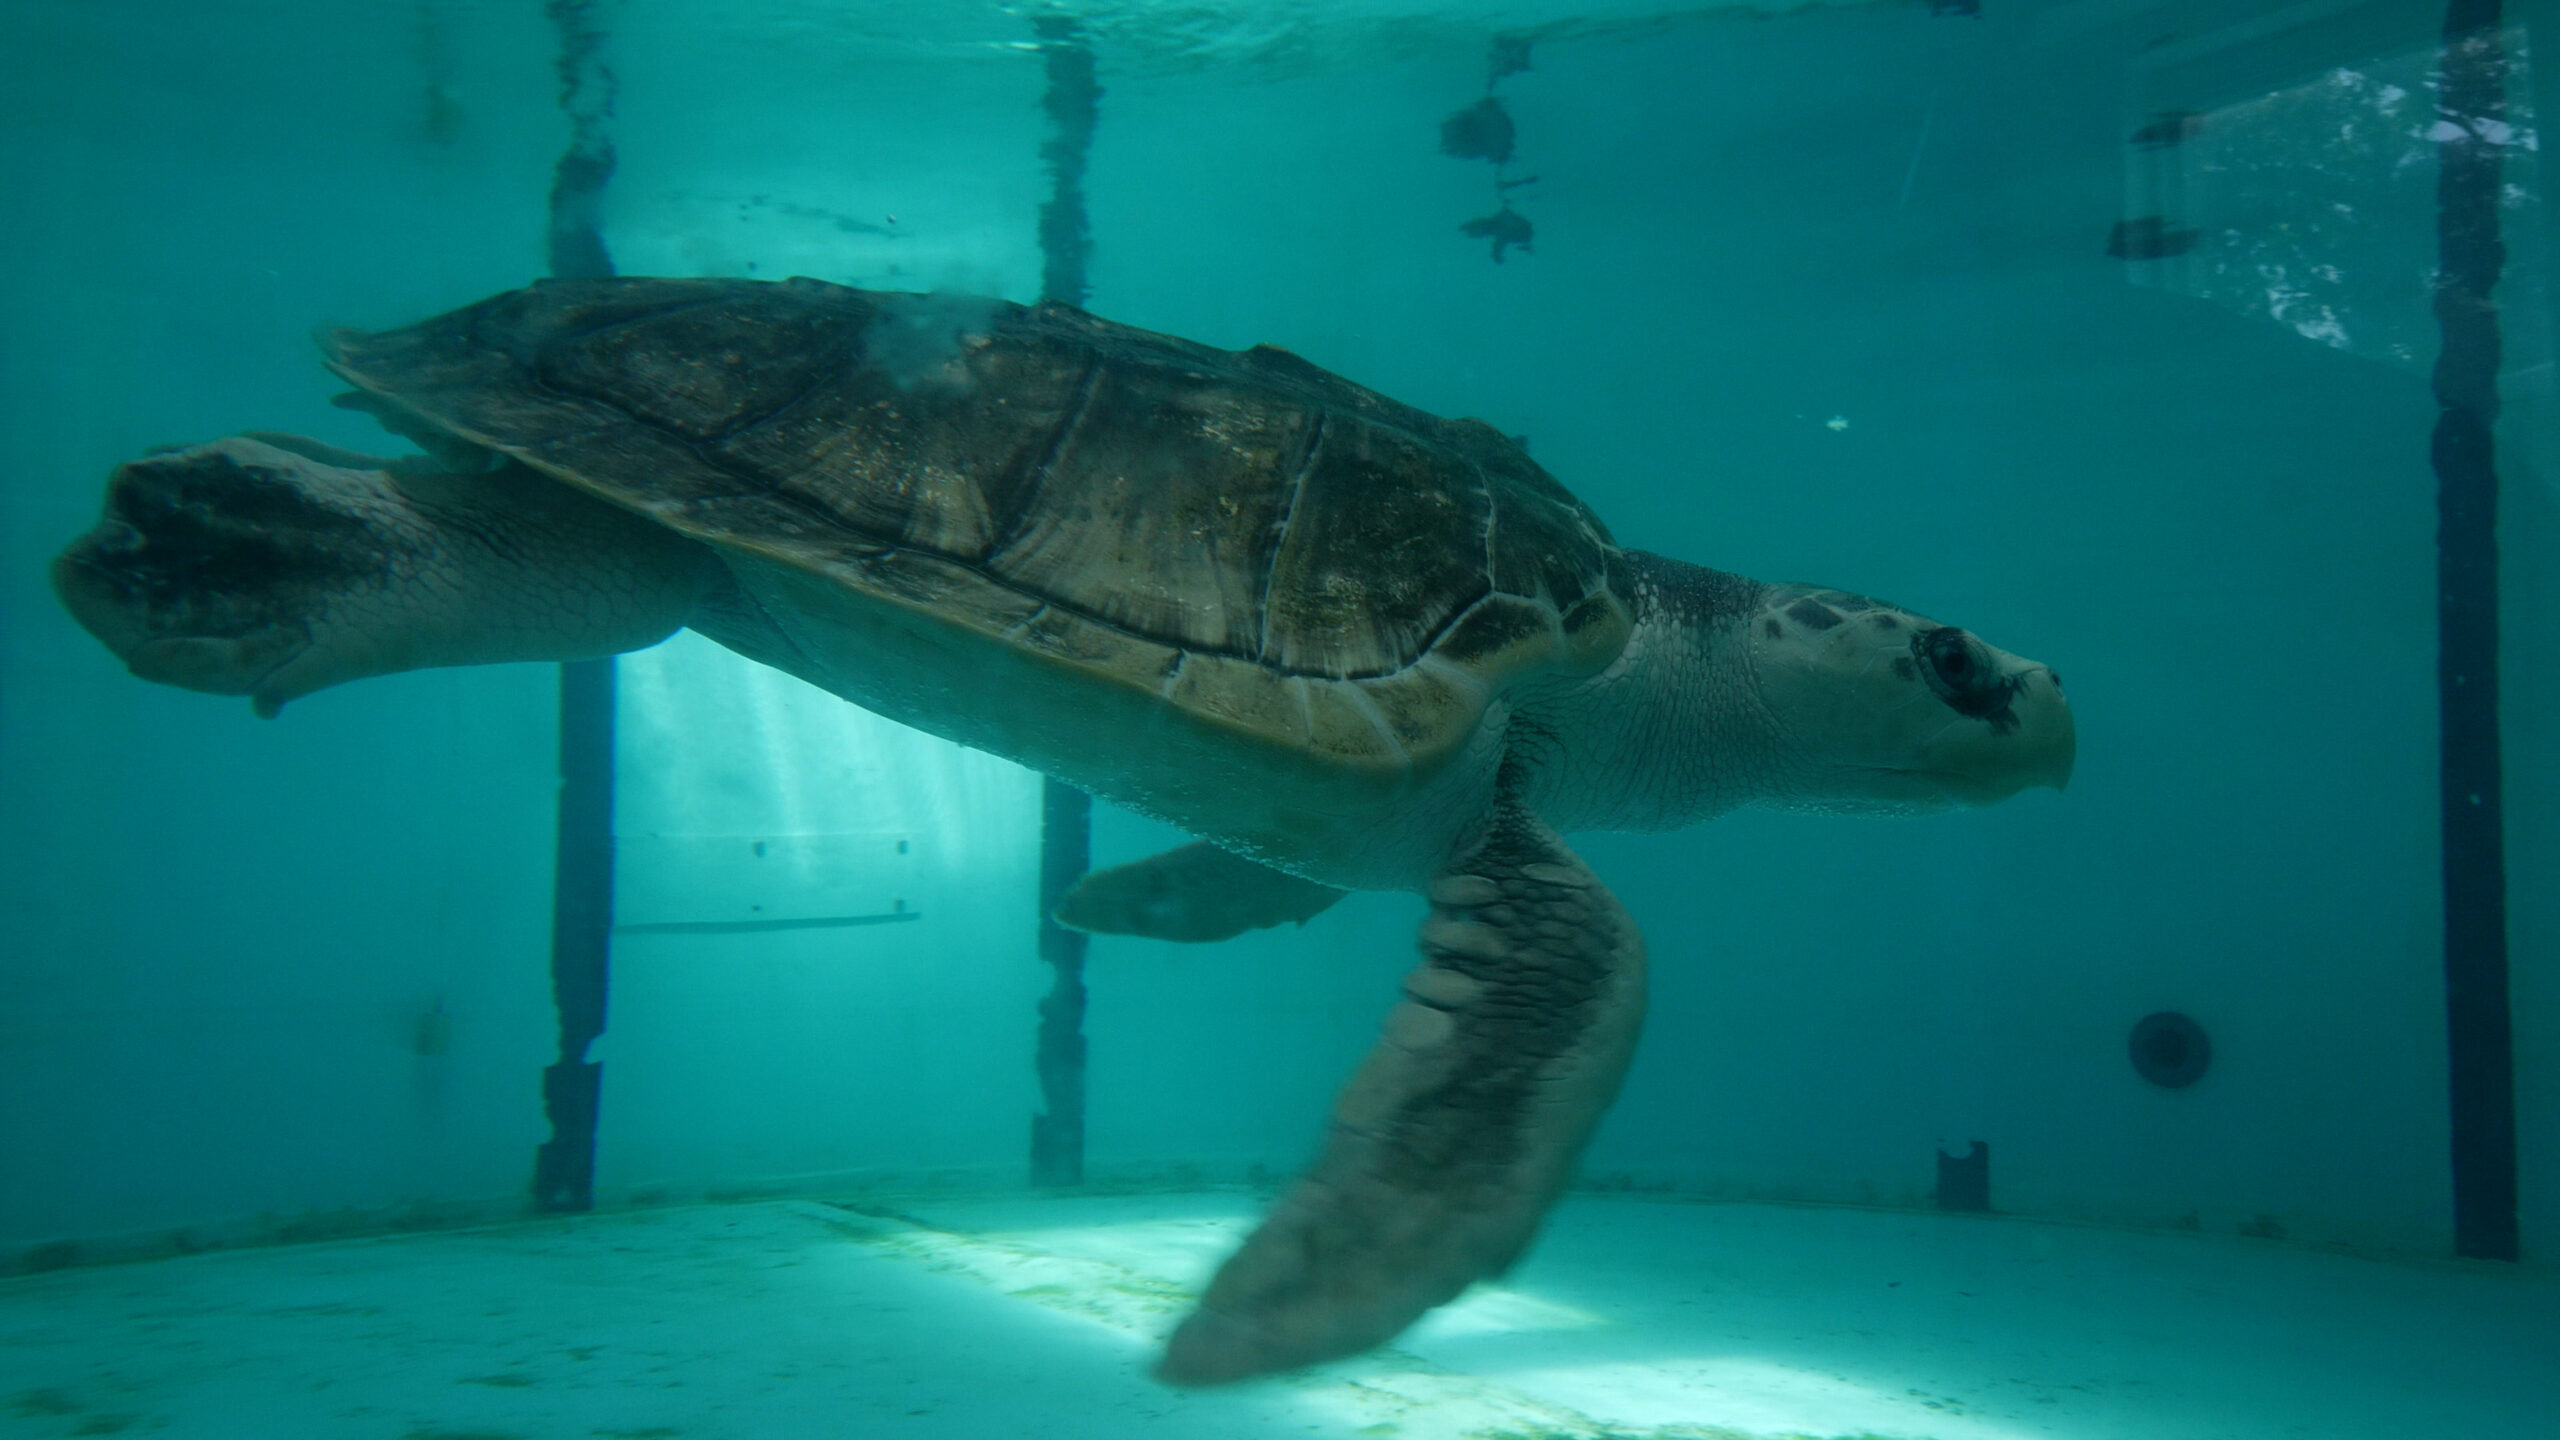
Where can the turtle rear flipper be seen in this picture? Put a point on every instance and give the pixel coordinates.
(1195, 893)
(1459, 1130)
(242, 567)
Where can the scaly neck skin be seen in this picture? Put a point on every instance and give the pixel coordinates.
(1673, 731)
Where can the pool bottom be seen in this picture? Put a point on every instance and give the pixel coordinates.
(1033, 1317)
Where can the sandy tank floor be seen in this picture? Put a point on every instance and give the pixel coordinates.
(1020, 1318)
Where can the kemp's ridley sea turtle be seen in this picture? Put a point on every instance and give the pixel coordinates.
(1349, 644)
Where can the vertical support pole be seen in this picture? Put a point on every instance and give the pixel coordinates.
(564, 1166)
(2472, 102)
(1072, 101)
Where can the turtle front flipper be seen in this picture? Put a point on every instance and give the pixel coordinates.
(252, 567)
(1195, 893)
(1459, 1130)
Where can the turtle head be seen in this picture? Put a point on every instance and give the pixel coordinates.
(1878, 709)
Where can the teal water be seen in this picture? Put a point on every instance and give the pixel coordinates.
(1815, 292)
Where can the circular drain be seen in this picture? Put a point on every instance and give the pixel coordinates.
(2170, 1050)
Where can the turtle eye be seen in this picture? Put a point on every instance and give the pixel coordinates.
(1960, 673)
(1960, 670)
(1948, 654)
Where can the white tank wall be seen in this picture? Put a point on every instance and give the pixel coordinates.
(225, 932)
(2529, 537)
(894, 1052)
(889, 1054)
(2220, 531)
(224, 935)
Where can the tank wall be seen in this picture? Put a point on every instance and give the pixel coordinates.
(889, 1053)
(1819, 297)
(2218, 528)
(880, 1032)
(291, 977)
(2530, 533)
(2134, 486)
(228, 940)
(2529, 537)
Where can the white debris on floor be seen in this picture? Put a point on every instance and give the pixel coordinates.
(1035, 1319)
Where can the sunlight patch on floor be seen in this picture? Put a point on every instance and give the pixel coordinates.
(1026, 1315)
(1131, 1277)
(1747, 1397)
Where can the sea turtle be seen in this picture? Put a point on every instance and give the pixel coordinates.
(1349, 644)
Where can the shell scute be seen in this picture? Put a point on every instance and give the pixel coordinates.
(691, 370)
(1384, 546)
(1159, 506)
(1243, 535)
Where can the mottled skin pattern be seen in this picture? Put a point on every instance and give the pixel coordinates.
(1347, 643)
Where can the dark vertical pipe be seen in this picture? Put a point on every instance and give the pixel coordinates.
(575, 244)
(564, 1167)
(1073, 101)
(2479, 1032)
